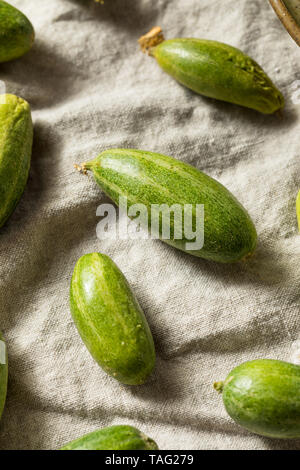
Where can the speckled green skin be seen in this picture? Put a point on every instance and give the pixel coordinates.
(16, 33)
(298, 209)
(219, 71)
(151, 178)
(16, 134)
(113, 438)
(263, 396)
(3, 381)
(110, 320)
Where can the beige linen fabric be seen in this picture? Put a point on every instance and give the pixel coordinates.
(91, 89)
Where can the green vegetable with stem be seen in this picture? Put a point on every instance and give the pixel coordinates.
(16, 33)
(16, 135)
(161, 184)
(121, 437)
(215, 70)
(263, 396)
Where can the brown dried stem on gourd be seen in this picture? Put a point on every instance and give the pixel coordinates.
(279, 114)
(248, 256)
(151, 39)
(81, 168)
(219, 386)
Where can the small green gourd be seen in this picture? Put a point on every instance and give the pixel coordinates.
(16, 135)
(263, 396)
(215, 70)
(156, 181)
(110, 321)
(121, 437)
(16, 33)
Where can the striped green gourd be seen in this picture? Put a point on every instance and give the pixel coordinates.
(150, 178)
(16, 33)
(263, 396)
(110, 321)
(215, 70)
(16, 135)
(121, 437)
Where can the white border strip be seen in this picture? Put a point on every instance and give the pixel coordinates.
(2, 92)
(2, 352)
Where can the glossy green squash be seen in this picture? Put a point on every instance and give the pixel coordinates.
(16, 33)
(16, 135)
(113, 438)
(263, 396)
(153, 179)
(110, 320)
(215, 70)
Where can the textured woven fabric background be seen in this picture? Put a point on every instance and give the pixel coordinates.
(91, 88)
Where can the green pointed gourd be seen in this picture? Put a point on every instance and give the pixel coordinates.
(263, 396)
(3, 373)
(215, 70)
(16, 135)
(110, 321)
(160, 182)
(16, 33)
(121, 437)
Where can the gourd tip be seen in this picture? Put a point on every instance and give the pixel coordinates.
(247, 256)
(279, 114)
(81, 168)
(218, 386)
(154, 37)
